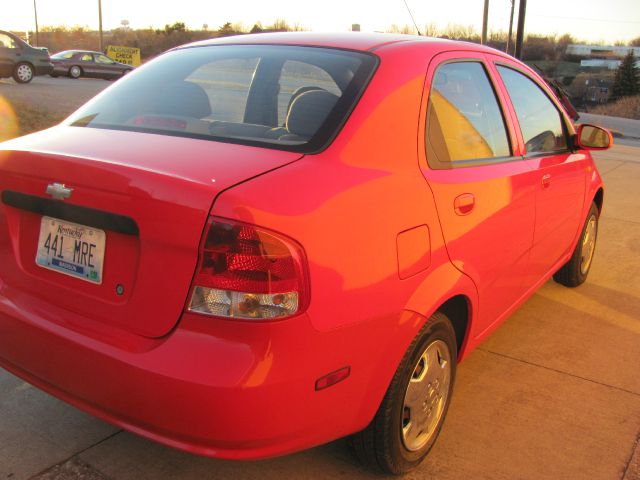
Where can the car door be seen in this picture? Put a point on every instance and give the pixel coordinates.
(105, 67)
(560, 173)
(88, 65)
(483, 189)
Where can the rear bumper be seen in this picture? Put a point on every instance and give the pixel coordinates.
(212, 387)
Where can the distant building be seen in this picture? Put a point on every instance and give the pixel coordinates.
(597, 91)
(600, 63)
(601, 51)
(602, 56)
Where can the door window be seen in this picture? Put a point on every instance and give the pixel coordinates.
(540, 121)
(86, 58)
(464, 121)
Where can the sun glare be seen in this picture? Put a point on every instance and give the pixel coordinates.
(8, 121)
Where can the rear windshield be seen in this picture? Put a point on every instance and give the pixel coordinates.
(60, 55)
(292, 98)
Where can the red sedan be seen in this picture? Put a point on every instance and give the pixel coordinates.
(258, 244)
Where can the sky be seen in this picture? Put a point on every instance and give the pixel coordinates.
(590, 20)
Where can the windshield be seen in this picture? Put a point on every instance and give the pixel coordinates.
(293, 98)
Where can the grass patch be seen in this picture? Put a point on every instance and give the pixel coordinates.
(32, 119)
(19, 119)
(626, 107)
(556, 69)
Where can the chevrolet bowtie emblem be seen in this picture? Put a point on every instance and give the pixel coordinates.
(59, 191)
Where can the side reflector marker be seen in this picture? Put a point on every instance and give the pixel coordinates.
(332, 378)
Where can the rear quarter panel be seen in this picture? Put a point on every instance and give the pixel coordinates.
(346, 206)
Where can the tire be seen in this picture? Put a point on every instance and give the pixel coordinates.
(75, 71)
(23, 73)
(575, 271)
(400, 436)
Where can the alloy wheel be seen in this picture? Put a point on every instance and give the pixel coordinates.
(426, 395)
(588, 244)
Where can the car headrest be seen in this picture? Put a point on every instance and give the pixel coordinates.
(309, 111)
(184, 98)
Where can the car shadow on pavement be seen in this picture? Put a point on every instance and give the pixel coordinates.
(127, 456)
(627, 304)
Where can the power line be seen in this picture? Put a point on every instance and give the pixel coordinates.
(585, 19)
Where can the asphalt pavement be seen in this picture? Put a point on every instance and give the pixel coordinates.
(554, 393)
(59, 94)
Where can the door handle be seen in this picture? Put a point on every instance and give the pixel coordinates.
(546, 180)
(464, 204)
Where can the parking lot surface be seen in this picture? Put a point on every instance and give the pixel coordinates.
(553, 394)
(58, 95)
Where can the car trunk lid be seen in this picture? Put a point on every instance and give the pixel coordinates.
(150, 195)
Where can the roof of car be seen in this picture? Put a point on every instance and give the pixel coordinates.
(347, 40)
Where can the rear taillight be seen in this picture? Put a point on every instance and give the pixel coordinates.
(248, 272)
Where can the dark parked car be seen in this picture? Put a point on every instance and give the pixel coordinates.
(20, 60)
(82, 63)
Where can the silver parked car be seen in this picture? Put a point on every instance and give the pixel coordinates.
(83, 63)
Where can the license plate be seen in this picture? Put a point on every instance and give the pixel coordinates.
(72, 249)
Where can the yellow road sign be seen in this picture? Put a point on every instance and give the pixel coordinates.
(130, 56)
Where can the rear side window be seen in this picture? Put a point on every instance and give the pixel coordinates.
(7, 42)
(104, 59)
(248, 94)
(464, 121)
(61, 55)
(540, 121)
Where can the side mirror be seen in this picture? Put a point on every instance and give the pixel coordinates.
(591, 137)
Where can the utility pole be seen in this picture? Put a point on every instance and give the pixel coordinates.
(485, 21)
(520, 35)
(35, 12)
(513, 6)
(99, 21)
